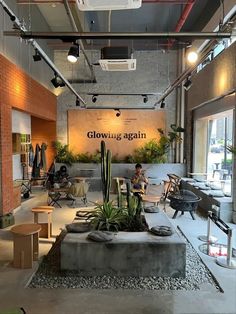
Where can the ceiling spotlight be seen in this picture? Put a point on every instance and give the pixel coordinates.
(187, 84)
(37, 56)
(77, 103)
(57, 81)
(118, 113)
(163, 104)
(94, 98)
(145, 98)
(192, 57)
(73, 53)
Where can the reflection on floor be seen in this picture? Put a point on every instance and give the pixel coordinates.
(13, 281)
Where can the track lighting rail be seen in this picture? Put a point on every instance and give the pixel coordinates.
(21, 29)
(73, 36)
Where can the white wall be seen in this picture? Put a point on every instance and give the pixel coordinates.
(21, 123)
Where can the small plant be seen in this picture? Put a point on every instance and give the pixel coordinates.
(133, 220)
(106, 217)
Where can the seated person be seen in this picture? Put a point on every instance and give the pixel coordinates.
(139, 180)
(62, 178)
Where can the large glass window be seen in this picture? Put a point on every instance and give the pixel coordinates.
(212, 136)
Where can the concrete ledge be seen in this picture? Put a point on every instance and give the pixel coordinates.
(129, 254)
(225, 204)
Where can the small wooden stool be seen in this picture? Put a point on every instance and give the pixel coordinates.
(151, 199)
(26, 245)
(46, 228)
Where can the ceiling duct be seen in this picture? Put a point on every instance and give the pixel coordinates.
(106, 5)
(117, 59)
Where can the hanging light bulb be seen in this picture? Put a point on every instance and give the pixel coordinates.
(73, 53)
(192, 57)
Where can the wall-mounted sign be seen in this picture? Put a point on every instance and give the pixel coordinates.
(122, 134)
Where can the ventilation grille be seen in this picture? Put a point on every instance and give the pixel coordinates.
(96, 5)
(118, 65)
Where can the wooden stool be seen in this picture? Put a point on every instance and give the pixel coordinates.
(151, 199)
(46, 228)
(26, 245)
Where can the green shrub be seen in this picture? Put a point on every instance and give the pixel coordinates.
(106, 217)
(63, 154)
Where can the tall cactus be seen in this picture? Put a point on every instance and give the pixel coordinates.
(105, 171)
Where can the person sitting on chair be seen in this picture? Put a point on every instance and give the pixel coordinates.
(62, 178)
(139, 180)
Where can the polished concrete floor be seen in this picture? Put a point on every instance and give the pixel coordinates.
(13, 282)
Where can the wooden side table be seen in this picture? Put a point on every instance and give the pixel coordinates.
(26, 245)
(46, 228)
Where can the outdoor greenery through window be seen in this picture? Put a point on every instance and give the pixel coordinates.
(213, 134)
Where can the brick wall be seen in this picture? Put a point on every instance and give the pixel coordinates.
(17, 90)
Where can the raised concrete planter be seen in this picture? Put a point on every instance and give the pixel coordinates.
(93, 171)
(129, 254)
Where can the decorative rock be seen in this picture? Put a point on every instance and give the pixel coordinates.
(161, 230)
(151, 209)
(100, 236)
(78, 227)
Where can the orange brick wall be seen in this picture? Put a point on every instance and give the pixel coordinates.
(18, 90)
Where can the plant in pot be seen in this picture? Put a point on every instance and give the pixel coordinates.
(155, 151)
(133, 218)
(114, 218)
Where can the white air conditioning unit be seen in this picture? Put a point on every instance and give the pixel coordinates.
(118, 64)
(104, 5)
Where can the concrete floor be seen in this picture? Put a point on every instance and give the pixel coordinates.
(14, 293)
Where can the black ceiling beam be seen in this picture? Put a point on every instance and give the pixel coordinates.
(72, 36)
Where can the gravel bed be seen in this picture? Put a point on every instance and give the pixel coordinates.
(50, 276)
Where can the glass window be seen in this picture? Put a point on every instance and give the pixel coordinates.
(212, 135)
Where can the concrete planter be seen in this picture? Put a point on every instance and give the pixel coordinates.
(128, 254)
(93, 171)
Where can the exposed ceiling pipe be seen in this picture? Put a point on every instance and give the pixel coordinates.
(74, 1)
(109, 26)
(75, 28)
(185, 14)
(183, 18)
(166, 1)
(35, 45)
(71, 37)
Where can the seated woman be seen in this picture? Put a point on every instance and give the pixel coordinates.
(139, 180)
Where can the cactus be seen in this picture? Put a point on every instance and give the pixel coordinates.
(105, 171)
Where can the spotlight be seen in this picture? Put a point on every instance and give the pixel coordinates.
(73, 53)
(94, 98)
(77, 103)
(145, 98)
(37, 56)
(192, 57)
(57, 81)
(118, 113)
(187, 84)
(163, 104)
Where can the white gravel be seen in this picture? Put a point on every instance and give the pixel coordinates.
(197, 277)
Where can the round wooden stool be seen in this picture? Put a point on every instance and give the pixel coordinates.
(46, 228)
(26, 245)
